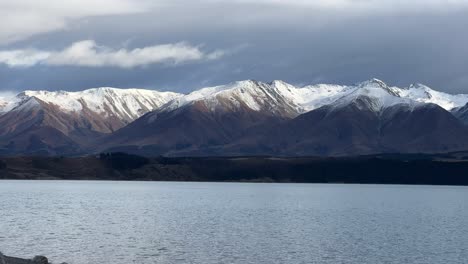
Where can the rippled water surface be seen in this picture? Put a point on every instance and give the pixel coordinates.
(158, 222)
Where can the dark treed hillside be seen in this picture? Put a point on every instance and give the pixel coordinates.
(450, 169)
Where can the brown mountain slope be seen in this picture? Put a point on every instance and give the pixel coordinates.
(39, 128)
(184, 130)
(352, 130)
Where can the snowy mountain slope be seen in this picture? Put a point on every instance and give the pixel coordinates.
(7, 102)
(106, 109)
(257, 94)
(384, 96)
(424, 94)
(3, 105)
(312, 96)
(278, 97)
(367, 118)
(277, 118)
(374, 95)
(211, 116)
(125, 104)
(251, 95)
(64, 122)
(286, 99)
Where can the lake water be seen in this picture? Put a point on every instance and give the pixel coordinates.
(160, 222)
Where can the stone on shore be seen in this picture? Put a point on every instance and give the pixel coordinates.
(12, 260)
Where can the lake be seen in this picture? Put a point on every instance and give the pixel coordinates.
(163, 222)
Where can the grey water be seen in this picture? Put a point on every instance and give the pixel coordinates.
(161, 222)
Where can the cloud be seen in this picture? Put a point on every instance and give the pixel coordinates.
(88, 54)
(344, 7)
(358, 4)
(24, 18)
(22, 58)
(299, 41)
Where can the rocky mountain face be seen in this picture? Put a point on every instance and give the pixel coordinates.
(241, 118)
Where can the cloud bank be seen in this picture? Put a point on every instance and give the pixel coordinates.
(22, 19)
(299, 41)
(88, 54)
(360, 4)
(25, 18)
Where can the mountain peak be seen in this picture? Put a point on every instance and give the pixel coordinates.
(249, 82)
(375, 95)
(279, 83)
(418, 86)
(374, 82)
(375, 86)
(248, 95)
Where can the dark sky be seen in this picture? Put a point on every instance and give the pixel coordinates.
(184, 45)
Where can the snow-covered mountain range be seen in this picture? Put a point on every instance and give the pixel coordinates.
(279, 95)
(129, 104)
(229, 117)
(125, 104)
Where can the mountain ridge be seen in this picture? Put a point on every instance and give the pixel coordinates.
(228, 119)
(305, 94)
(77, 119)
(361, 119)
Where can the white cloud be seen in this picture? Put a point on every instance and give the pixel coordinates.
(88, 54)
(22, 58)
(24, 18)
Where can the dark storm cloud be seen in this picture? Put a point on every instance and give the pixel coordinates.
(300, 42)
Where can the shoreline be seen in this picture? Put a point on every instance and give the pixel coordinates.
(234, 182)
